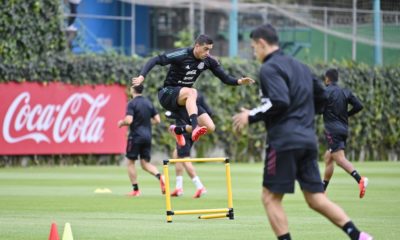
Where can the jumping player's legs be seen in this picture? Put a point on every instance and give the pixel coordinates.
(206, 121)
(188, 98)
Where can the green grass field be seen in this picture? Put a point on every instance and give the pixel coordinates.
(32, 198)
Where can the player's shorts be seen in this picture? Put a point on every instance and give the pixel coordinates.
(134, 151)
(184, 151)
(283, 168)
(168, 97)
(335, 142)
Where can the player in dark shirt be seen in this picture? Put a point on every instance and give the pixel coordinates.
(140, 115)
(287, 108)
(336, 128)
(186, 65)
(181, 118)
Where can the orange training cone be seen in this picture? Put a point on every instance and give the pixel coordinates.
(53, 232)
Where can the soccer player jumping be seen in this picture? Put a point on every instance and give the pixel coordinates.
(186, 64)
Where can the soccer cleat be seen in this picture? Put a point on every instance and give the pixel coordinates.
(180, 139)
(200, 192)
(162, 184)
(198, 132)
(363, 186)
(178, 192)
(134, 193)
(365, 236)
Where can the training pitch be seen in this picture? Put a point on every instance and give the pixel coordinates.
(32, 198)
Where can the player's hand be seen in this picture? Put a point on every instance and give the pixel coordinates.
(120, 123)
(137, 80)
(246, 81)
(241, 120)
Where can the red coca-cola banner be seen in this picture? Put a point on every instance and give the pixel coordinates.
(58, 118)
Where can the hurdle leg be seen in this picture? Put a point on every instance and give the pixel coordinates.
(167, 192)
(229, 188)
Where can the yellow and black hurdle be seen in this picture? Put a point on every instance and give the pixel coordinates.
(211, 213)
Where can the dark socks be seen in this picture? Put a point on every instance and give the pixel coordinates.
(285, 237)
(193, 120)
(180, 129)
(325, 182)
(158, 176)
(135, 187)
(350, 229)
(356, 176)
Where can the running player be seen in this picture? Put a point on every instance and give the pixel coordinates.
(287, 108)
(140, 114)
(336, 129)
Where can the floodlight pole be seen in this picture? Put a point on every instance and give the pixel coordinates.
(325, 35)
(354, 37)
(133, 28)
(202, 28)
(233, 29)
(378, 33)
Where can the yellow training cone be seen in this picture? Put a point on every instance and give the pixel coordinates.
(67, 235)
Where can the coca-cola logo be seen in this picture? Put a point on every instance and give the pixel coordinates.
(55, 122)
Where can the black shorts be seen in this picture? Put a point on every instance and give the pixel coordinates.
(168, 97)
(184, 151)
(138, 150)
(335, 142)
(283, 168)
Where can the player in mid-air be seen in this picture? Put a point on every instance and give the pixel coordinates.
(186, 64)
(140, 114)
(336, 128)
(182, 119)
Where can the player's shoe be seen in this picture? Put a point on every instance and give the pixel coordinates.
(365, 236)
(363, 186)
(178, 192)
(180, 139)
(162, 184)
(198, 132)
(200, 192)
(134, 193)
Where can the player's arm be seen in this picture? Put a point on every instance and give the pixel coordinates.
(274, 100)
(162, 60)
(220, 73)
(320, 97)
(356, 103)
(126, 121)
(156, 119)
(275, 96)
